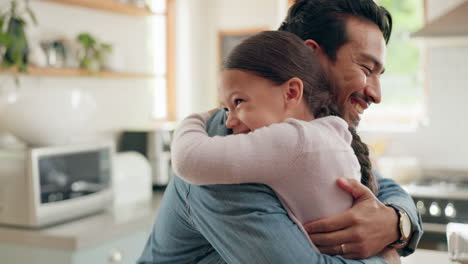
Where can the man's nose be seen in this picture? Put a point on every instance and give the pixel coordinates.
(373, 92)
(231, 121)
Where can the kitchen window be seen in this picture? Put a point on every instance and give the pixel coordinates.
(163, 44)
(403, 88)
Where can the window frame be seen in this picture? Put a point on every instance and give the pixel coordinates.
(170, 74)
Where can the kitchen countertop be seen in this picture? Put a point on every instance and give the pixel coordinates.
(98, 228)
(89, 230)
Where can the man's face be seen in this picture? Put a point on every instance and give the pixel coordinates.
(357, 69)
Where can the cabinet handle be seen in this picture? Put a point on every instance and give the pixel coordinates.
(115, 256)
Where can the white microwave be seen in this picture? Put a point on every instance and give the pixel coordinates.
(45, 186)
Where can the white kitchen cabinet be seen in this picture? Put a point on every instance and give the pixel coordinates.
(116, 236)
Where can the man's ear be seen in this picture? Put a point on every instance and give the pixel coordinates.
(294, 89)
(316, 49)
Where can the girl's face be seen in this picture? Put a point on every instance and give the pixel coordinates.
(251, 101)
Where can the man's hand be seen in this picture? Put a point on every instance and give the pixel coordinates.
(362, 231)
(390, 255)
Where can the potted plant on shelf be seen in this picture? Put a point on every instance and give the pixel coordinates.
(93, 53)
(13, 37)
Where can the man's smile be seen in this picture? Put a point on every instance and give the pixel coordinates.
(359, 103)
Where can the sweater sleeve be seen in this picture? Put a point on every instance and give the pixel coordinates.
(257, 157)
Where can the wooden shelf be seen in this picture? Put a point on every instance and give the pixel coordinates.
(66, 72)
(107, 5)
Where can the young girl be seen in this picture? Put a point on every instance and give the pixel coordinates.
(287, 133)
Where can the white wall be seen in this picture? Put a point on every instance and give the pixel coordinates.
(198, 24)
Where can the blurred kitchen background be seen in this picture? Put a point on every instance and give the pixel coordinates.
(91, 91)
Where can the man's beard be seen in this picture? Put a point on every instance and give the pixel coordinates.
(354, 122)
(347, 117)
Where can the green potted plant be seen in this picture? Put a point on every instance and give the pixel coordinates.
(13, 37)
(93, 53)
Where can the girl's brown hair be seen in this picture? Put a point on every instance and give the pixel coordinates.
(279, 56)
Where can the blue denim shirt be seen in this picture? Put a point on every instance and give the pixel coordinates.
(243, 223)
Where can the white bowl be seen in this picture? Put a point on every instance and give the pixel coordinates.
(47, 116)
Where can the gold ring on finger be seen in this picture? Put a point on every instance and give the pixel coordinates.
(343, 249)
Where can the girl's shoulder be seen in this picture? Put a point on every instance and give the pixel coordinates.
(329, 122)
(325, 127)
(334, 122)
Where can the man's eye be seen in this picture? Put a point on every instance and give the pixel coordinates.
(367, 69)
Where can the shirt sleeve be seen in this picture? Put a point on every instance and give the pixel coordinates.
(392, 193)
(259, 156)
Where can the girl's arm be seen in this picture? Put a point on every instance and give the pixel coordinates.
(259, 156)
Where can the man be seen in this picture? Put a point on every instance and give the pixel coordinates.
(246, 223)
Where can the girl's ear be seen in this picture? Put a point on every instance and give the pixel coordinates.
(293, 91)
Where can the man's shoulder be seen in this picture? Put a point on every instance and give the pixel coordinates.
(216, 124)
(233, 197)
(233, 191)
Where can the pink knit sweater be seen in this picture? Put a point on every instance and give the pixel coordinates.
(299, 160)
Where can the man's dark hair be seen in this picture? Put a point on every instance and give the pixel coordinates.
(279, 56)
(324, 21)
